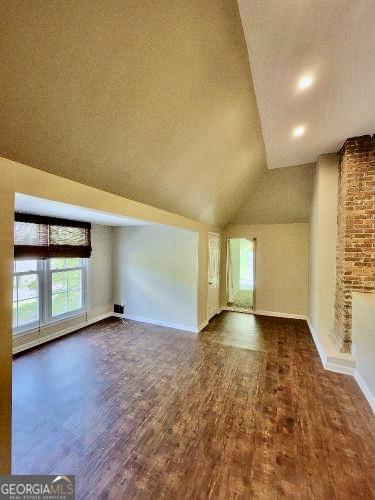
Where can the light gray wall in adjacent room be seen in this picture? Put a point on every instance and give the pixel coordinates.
(155, 273)
(100, 291)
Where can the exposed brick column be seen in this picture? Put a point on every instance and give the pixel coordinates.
(355, 252)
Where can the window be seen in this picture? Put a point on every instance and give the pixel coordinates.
(47, 290)
(66, 284)
(26, 286)
(51, 284)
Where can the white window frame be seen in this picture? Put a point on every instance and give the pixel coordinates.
(48, 288)
(44, 273)
(39, 273)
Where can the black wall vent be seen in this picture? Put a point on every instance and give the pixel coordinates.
(118, 308)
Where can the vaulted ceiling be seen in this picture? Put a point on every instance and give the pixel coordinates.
(155, 100)
(149, 100)
(313, 65)
(281, 196)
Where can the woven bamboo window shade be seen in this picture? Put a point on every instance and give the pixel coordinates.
(39, 237)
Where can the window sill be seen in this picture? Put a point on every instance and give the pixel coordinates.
(45, 326)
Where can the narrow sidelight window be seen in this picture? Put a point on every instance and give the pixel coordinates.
(26, 294)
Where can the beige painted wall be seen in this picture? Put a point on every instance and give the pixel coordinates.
(323, 245)
(23, 179)
(20, 178)
(281, 269)
(6, 294)
(99, 289)
(314, 296)
(363, 334)
(151, 100)
(282, 196)
(155, 274)
(100, 271)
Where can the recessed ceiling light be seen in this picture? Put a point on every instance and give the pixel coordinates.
(305, 82)
(298, 131)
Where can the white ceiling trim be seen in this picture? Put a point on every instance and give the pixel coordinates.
(39, 206)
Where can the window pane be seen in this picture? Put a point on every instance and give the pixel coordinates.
(14, 314)
(59, 282)
(59, 304)
(74, 300)
(27, 311)
(22, 266)
(74, 280)
(73, 262)
(57, 263)
(14, 289)
(27, 286)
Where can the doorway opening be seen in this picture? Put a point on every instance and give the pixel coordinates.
(241, 274)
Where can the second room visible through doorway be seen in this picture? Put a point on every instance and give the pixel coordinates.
(240, 274)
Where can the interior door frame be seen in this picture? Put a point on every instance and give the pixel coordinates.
(217, 237)
(254, 240)
(239, 309)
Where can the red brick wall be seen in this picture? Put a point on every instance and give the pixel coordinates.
(355, 252)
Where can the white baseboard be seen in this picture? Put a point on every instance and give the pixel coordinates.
(151, 321)
(204, 324)
(258, 312)
(60, 333)
(366, 391)
(337, 364)
(339, 368)
(215, 313)
(332, 361)
(118, 315)
(318, 345)
(176, 326)
(280, 314)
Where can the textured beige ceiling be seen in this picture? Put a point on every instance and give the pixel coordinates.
(150, 100)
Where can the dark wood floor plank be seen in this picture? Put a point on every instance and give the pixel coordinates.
(242, 411)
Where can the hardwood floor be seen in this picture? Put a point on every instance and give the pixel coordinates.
(242, 411)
